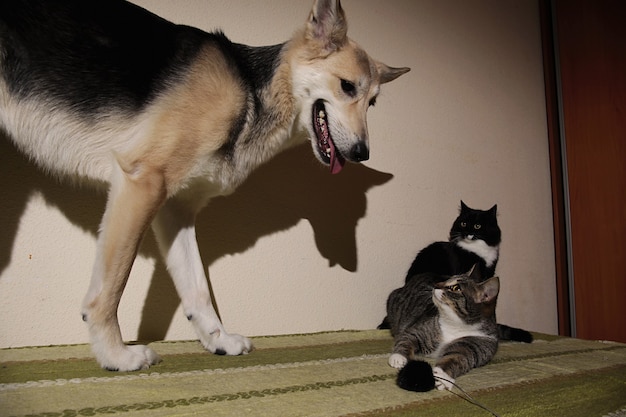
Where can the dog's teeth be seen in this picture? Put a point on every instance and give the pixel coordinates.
(321, 113)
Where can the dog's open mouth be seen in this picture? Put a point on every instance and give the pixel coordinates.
(325, 145)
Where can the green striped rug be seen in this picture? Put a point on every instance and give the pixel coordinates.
(326, 374)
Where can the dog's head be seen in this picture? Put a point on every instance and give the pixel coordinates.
(336, 82)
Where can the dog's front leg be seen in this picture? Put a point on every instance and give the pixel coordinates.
(133, 200)
(174, 227)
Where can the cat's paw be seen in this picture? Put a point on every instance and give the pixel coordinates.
(397, 361)
(443, 381)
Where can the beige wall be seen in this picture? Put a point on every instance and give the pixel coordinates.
(295, 249)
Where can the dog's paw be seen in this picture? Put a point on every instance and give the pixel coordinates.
(397, 361)
(443, 381)
(222, 343)
(128, 358)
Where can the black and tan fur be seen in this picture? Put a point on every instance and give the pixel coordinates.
(167, 117)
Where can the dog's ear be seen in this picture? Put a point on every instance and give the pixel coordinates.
(388, 73)
(327, 25)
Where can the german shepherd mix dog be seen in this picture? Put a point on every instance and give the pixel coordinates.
(169, 116)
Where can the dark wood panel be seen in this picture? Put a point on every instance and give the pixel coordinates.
(556, 169)
(592, 52)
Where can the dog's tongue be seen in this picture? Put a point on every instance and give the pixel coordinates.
(336, 160)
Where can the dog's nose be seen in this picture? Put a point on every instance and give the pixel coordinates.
(360, 152)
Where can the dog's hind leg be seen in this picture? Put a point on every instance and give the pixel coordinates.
(174, 227)
(135, 195)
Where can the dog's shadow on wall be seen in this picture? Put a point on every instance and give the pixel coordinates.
(291, 187)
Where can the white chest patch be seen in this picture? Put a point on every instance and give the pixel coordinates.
(480, 248)
(452, 328)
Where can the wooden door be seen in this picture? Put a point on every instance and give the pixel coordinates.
(590, 46)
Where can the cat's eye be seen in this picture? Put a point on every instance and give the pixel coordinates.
(477, 226)
(454, 288)
(463, 224)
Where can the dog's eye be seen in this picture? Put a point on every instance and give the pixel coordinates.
(348, 87)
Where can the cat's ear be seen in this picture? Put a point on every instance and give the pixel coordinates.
(488, 290)
(474, 273)
(463, 207)
(493, 210)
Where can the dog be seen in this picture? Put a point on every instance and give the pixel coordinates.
(168, 116)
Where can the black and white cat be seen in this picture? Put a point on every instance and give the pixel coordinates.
(474, 240)
(453, 321)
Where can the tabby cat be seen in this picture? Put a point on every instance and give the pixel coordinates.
(453, 320)
(474, 240)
